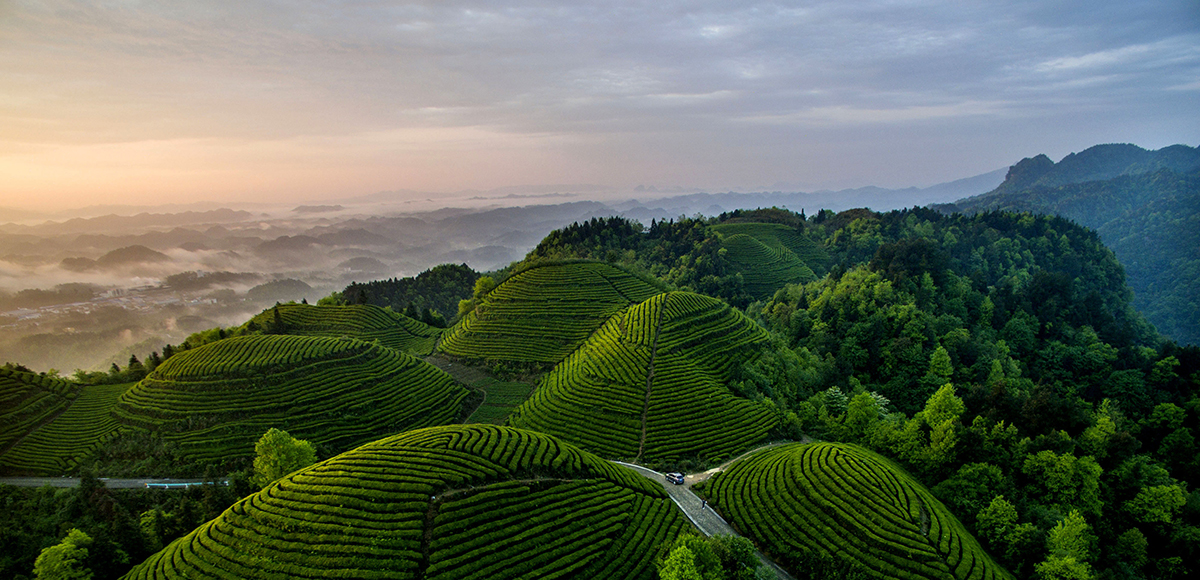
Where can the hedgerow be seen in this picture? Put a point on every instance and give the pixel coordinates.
(464, 501)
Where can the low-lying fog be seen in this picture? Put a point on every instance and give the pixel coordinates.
(83, 292)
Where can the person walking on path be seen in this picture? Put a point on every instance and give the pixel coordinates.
(703, 505)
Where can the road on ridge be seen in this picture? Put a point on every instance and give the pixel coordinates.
(708, 521)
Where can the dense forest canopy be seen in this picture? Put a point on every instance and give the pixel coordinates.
(1145, 206)
(431, 296)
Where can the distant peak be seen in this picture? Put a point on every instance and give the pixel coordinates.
(1027, 171)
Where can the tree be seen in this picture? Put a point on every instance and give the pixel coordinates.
(334, 299)
(1063, 569)
(484, 285)
(940, 367)
(1065, 480)
(694, 557)
(836, 401)
(1157, 504)
(279, 454)
(65, 560)
(995, 521)
(680, 565)
(1094, 439)
(944, 405)
(1130, 551)
(1011, 542)
(862, 412)
(154, 525)
(971, 489)
(941, 414)
(737, 556)
(1071, 536)
(1070, 547)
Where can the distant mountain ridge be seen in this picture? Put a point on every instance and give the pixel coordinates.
(1098, 163)
(1144, 204)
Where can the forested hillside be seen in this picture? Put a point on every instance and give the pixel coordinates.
(431, 296)
(997, 357)
(1145, 206)
(738, 256)
(999, 407)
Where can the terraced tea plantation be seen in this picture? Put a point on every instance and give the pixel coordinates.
(213, 402)
(28, 401)
(844, 501)
(500, 399)
(542, 314)
(440, 503)
(361, 321)
(651, 384)
(769, 255)
(59, 445)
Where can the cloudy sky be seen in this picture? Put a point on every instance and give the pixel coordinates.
(125, 101)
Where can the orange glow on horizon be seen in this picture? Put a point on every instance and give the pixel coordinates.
(46, 177)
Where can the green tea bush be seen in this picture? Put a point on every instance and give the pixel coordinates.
(464, 501)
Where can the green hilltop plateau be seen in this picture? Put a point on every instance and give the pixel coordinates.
(52, 425)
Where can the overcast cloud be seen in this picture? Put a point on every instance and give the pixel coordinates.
(133, 101)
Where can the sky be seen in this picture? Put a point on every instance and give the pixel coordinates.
(176, 101)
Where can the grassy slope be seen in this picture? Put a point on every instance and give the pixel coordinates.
(446, 502)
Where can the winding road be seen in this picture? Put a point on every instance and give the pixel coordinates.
(707, 520)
